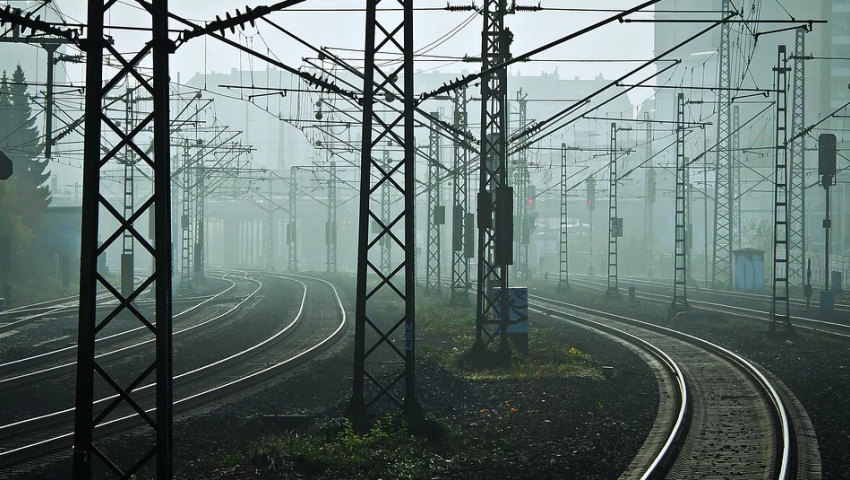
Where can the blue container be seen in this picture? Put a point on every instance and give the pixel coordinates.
(749, 269)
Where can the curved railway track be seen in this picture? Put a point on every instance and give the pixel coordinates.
(316, 323)
(737, 423)
(831, 329)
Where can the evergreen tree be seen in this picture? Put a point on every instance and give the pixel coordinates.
(5, 106)
(23, 145)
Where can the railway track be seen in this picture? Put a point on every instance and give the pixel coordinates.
(724, 417)
(204, 312)
(317, 322)
(832, 329)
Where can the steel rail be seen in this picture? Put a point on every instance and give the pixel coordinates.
(43, 357)
(210, 394)
(783, 424)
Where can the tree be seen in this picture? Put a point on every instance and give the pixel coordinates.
(22, 143)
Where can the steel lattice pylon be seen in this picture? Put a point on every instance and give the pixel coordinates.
(564, 249)
(386, 211)
(495, 229)
(613, 281)
(186, 222)
(797, 224)
(269, 225)
(200, 219)
(157, 320)
(330, 228)
(780, 310)
(680, 267)
(389, 32)
(721, 271)
(649, 200)
(461, 228)
(521, 179)
(129, 161)
(739, 192)
(433, 277)
(291, 234)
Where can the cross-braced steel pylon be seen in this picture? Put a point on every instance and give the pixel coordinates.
(186, 222)
(386, 363)
(495, 203)
(563, 247)
(291, 234)
(520, 181)
(613, 291)
(780, 312)
(385, 212)
(462, 227)
(680, 271)
(435, 213)
(330, 227)
(796, 184)
(200, 217)
(649, 200)
(92, 457)
(721, 272)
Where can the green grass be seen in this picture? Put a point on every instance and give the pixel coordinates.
(446, 333)
(393, 448)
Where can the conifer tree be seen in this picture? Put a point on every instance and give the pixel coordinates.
(22, 143)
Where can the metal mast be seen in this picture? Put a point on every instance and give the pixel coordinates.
(721, 272)
(388, 33)
(386, 204)
(495, 219)
(564, 249)
(436, 212)
(739, 192)
(291, 236)
(330, 229)
(269, 225)
(613, 221)
(129, 161)
(521, 179)
(462, 227)
(186, 223)
(780, 310)
(680, 275)
(91, 321)
(797, 224)
(649, 199)
(200, 221)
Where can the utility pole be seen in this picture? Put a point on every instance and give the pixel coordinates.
(330, 228)
(129, 161)
(386, 199)
(94, 314)
(50, 48)
(270, 225)
(436, 211)
(680, 270)
(797, 212)
(591, 206)
(739, 191)
(291, 235)
(388, 33)
(564, 249)
(200, 215)
(615, 224)
(721, 275)
(521, 179)
(495, 218)
(185, 223)
(649, 200)
(780, 309)
(462, 222)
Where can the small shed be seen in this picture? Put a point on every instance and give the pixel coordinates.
(749, 269)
